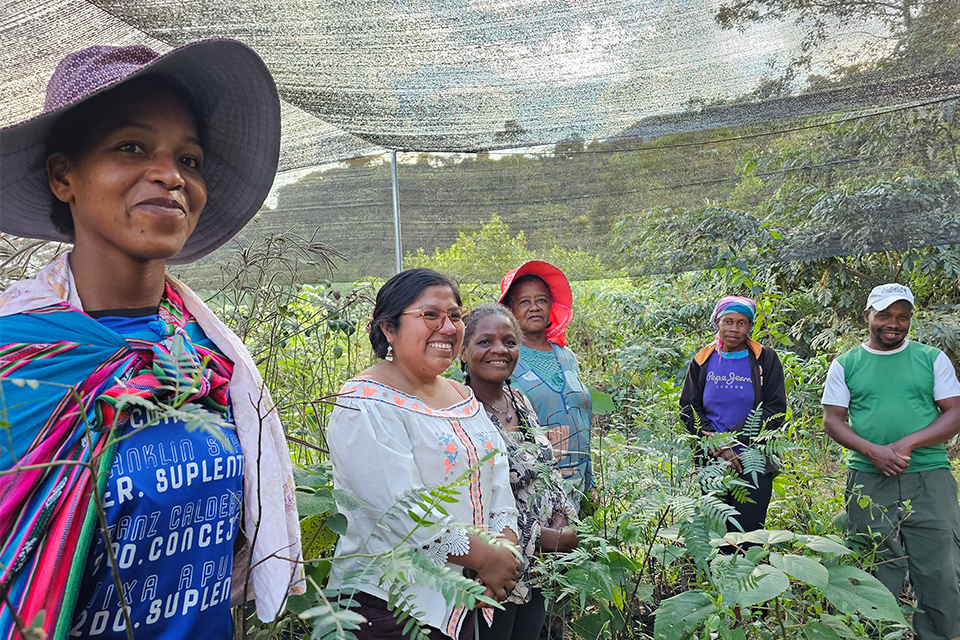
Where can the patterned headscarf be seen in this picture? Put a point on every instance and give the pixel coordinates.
(732, 304)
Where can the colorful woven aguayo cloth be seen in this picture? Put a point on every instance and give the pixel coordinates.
(87, 377)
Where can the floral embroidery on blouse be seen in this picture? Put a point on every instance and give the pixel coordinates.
(450, 460)
(385, 443)
(452, 542)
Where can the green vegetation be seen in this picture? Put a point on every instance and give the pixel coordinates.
(647, 566)
(804, 215)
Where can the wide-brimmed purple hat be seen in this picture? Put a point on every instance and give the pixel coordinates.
(233, 94)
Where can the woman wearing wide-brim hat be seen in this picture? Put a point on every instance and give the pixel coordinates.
(539, 296)
(140, 160)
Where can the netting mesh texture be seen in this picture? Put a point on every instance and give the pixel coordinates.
(655, 135)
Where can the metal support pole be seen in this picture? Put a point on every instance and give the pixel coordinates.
(396, 210)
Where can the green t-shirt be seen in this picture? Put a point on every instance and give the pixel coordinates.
(891, 396)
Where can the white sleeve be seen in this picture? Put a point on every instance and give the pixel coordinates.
(835, 391)
(373, 460)
(945, 384)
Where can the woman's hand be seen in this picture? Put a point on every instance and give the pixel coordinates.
(498, 568)
(725, 453)
(728, 454)
(559, 536)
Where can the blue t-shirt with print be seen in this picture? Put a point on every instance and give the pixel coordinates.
(728, 392)
(173, 504)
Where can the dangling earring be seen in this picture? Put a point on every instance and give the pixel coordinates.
(390, 352)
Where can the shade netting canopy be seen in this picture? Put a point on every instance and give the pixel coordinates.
(650, 133)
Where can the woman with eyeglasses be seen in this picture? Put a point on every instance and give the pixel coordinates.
(400, 427)
(726, 381)
(490, 352)
(547, 372)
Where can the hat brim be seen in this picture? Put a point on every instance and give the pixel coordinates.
(561, 312)
(235, 95)
(886, 302)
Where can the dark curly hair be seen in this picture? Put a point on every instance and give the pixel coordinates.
(398, 293)
(487, 309)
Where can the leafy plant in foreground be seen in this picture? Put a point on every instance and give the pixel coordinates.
(773, 572)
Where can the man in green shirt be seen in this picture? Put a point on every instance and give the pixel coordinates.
(894, 403)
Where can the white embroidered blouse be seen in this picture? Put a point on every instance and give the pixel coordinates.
(383, 443)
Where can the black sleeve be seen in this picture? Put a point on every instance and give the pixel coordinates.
(773, 394)
(691, 402)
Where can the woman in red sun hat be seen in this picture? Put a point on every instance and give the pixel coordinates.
(539, 296)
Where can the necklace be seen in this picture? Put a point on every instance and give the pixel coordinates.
(505, 414)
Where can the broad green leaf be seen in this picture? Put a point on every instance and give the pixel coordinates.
(621, 567)
(318, 570)
(771, 582)
(756, 554)
(602, 402)
(761, 536)
(853, 590)
(838, 624)
(802, 568)
(681, 612)
(825, 545)
(592, 626)
(298, 604)
(309, 504)
(819, 631)
(337, 523)
(732, 634)
(667, 553)
(346, 500)
(671, 533)
(644, 592)
(592, 580)
(306, 478)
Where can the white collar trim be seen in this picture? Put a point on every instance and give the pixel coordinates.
(906, 341)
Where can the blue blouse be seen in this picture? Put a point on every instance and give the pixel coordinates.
(565, 414)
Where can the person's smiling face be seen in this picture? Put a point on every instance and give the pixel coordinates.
(135, 189)
(493, 349)
(889, 327)
(422, 350)
(531, 306)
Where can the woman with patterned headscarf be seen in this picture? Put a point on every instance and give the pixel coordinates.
(728, 380)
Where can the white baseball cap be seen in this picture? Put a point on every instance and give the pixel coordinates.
(886, 294)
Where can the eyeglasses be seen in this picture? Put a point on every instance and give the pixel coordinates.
(434, 317)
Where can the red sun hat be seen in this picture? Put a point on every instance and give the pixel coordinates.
(561, 313)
